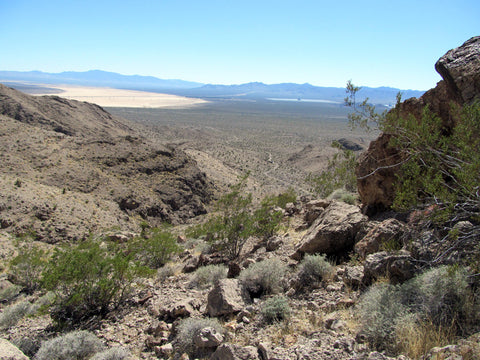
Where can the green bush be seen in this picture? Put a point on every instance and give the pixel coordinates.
(440, 297)
(206, 276)
(77, 345)
(339, 174)
(264, 277)
(155, 247)
(275, 309)
(188, 328)
(313, 269)
(88, 279)
(238, 220)
(27, 267)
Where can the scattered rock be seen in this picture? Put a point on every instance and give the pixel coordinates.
(227, 297)
(274, 243)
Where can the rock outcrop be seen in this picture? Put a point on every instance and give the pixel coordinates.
(333, 232)
(378, 166)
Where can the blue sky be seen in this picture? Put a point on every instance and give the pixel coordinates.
(325, 43)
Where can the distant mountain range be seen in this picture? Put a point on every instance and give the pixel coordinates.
(254, 90)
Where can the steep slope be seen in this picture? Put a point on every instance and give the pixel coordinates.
(71, 168)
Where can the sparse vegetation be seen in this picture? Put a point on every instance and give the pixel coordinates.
(313, 269)
(264, 277)
(439, 299)
(78, 345)
(13, 313)
(275, 309)
(206, 276)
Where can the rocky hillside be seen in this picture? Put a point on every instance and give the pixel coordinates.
(70, 168)
(334, 281)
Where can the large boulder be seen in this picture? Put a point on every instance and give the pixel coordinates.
(398, 267)
(227, 297)
(8, 351)
(333, 232)
(377, 167)
(388, 234)
(235, 352)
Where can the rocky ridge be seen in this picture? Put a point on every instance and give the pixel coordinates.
(71, 168)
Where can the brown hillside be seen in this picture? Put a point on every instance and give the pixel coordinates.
(70, 168)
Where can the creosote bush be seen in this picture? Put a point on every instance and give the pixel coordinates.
(264, 277)
(238, 220)
(155, 247)
(88, 279)
(78, 345)
(275, 309)
(27, 267)
(439, 300)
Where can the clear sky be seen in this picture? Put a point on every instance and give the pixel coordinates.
(325, 43)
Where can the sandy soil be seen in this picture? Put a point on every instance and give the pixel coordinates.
(109, 97)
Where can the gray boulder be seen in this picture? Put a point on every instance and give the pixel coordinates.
(8, 351)
(333, 232)
(397, 267)
(227, 297)
(235, 352)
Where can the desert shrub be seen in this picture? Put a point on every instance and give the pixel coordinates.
(264, 277)
(339, 174)
(206, 276)
(439, 300)
(282, 199)
(167, 270)
(155, 247)
(74, 345)
(313, 269)
(343, 195)
(275, 309)
(237, 221)
(27, 267)
(9, 293)
(380, 309)
(13, 313)
(188, 328)
(88, 279)
(114, 353)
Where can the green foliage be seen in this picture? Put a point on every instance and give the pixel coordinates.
(313, 269)
(237, 221)
(155, 247)
(264, 277)
(275, 309)
(88, 279)
(206, 276)
(440, 297)
(282, 199)
(340, 174)
(188, 328)
(77, 345)
(27, 267)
